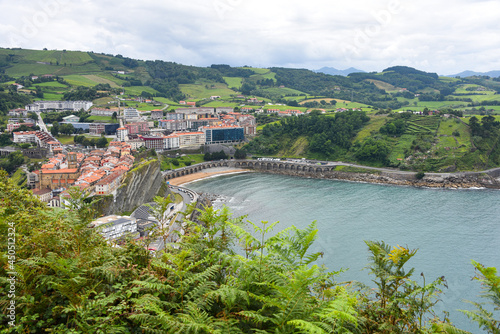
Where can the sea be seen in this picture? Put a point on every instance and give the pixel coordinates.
(449, 228)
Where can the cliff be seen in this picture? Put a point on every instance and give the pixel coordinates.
(141, 185)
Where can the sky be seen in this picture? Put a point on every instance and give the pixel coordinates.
(444, 36)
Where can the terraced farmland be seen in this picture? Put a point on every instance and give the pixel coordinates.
(422, 125)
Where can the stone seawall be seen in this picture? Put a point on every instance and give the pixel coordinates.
(350, 172)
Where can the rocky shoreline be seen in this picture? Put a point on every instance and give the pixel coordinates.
(434, 180)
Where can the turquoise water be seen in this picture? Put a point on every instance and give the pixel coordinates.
(448, 227)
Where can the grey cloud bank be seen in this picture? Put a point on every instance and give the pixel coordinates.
(444, 37)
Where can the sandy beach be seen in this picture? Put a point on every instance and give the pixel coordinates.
(206, 173)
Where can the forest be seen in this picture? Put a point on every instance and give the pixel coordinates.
(328, 136)
(220, 278)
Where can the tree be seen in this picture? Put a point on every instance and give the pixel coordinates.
(240, 154)
(101, 142)
(162, 211)
(490, 284)
(54, 130)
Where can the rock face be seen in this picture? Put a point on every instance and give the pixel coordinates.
(141, 185)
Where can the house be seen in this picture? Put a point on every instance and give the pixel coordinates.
(182, 102)
(45, 194)
(192, 104)
(110, 183)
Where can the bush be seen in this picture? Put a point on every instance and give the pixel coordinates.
(420, 175)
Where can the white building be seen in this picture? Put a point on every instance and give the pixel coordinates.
(113, 227)
(25, 137)
(122, 134)
(59, 105)
(190, 139)
(131, 114)
(171, 142)
(104, 112)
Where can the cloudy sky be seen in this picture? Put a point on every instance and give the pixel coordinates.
(444, 36)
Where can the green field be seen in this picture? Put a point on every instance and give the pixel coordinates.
(402, 144)
(166, 101)
(137, 90)
(66, 140)
(52, 97)
(283, 91)
(423, 125)
(373, 126)
(90, 80)
(272, 106)
(68, 57)
(220, 103)
(257, 70)
(200, 91)
(51, 84)
(233, 82)
(103, 119)
(265, 75)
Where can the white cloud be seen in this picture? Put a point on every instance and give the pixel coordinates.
(444, 37)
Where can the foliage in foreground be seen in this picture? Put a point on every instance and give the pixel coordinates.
(69, 280)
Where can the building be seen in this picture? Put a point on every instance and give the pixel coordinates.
(194, 125)
(156, 114)
(71, 119)
(174, 116)
(57, 178)
(114, 227)
(24, 137)
(135, 144)
(44, 194)
(171, 142)
(154, 142)
(137, 127)
(131, 114)
(122, 134)
(201, 111)
(223, 134)
(190, 139)
(12, 126)
(85, 127)
(173, 125)
(107, 128)
(110, 183)
(225, 110)
(59, 105)
(104, 112)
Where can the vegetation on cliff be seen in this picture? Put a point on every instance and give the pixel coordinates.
(69, 280)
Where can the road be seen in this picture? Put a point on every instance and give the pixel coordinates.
(41, 123)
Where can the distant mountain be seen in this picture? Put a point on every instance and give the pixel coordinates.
(465, 74)
(334, 71)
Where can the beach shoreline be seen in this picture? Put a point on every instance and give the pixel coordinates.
(182, 181)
